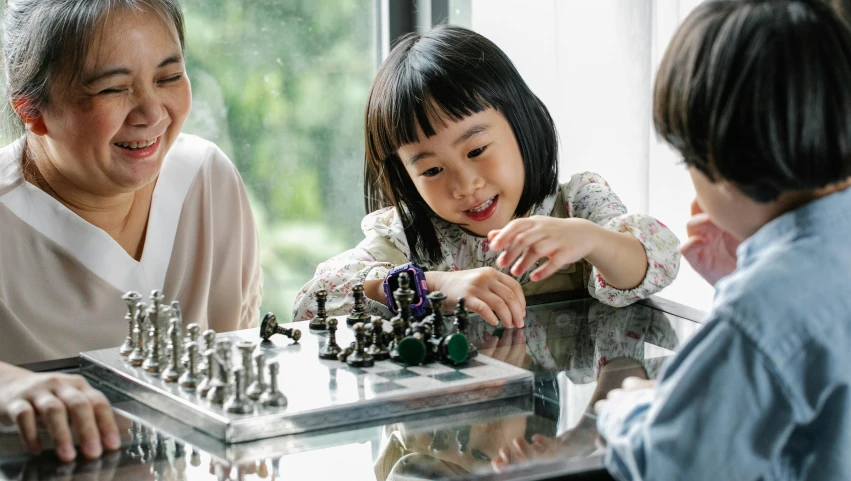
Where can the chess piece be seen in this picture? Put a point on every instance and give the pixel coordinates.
(152, 362)
(360, 358)
(358, 313)
(398, 334)
(192, 332)
(256, 388)
(269, 327)
(320, 320)
(174, 369)
(273, 397)
(220, 385)
(462, 322)
(412, 348)
(238, 402)
(345, 353)
(191, 378)
(436, 300)
(246, 350)
(404, 297)
(204, 386)
(378, 347)
(176, 311)
(131, 299)
(209, 343)
(331, 349)
(140, 332)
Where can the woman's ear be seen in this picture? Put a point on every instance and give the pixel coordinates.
(29, 115)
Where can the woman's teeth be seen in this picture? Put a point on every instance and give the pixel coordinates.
(137, 145)
(483, 206)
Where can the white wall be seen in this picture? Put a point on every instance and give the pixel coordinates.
(593, 64)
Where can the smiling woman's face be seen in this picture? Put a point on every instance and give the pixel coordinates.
(108, 132)
(470, 172)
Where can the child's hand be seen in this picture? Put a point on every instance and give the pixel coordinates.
(710, 250)
(629, 384)
(487, 292)
(527, 240)
(29, 399)
(509, 348)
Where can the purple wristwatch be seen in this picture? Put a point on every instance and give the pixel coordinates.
(418, 285)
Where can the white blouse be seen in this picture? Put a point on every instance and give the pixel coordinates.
(62, 278)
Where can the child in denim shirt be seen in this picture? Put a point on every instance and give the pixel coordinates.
(756, 96)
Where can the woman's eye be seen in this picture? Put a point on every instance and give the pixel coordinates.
(112, 90)
(171, 79)
(433, 171)
(476, 152)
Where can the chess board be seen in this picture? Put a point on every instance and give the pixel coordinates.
(321, 393)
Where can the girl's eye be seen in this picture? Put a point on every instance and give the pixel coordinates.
(171, 79)
(433, 171)
(476, 152)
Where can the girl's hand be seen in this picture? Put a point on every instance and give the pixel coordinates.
(29, 399)
(629, 384)
(710, 250)
(529, 239)
(487, 292)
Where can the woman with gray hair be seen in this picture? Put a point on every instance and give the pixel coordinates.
(102, 194)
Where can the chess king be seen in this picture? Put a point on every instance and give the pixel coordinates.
(100, 94)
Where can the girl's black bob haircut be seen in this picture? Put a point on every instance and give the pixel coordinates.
(447, 74)
(758, 92)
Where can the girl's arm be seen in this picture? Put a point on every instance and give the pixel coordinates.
(618, 257)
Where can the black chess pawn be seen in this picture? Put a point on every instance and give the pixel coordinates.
(345, 353)
(360, 358)
(331, 349)
(378, 346)
(358, 313)
(269, 327)
(462, 322)
(132, 300)
(320, 320)
(436, 300)
(398, 326)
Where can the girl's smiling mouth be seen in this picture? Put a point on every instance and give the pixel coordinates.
(483, 211)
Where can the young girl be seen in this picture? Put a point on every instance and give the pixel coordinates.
(755, 96)
(461, 179)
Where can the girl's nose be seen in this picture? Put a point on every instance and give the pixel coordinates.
(467, 182)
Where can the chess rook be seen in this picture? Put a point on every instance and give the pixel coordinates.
(331, 349)
(238, 402)
(269, 327)
(273, 397)
(131, 299)
(246, 350)
(358, 313)
(256, 388)
(320, 320)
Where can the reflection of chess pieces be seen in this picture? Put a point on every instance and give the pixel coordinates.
(269, 327)
(258, 386)
(378, 347)
(331, 349)
(462, 322)
(246, 350)
(273, 397)
(320, 320)
(206, 383)
(140, 332)
(359, 358)
(175, 368)
(131, 299)
(358, 313)
(190, 379)
(238, 402)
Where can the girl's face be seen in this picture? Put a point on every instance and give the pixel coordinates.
(470, 172)
(109, 131)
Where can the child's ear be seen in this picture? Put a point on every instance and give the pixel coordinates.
(29, 115)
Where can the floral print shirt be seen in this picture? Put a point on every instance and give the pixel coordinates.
(586, 195)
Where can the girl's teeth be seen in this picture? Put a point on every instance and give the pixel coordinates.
(483, 206)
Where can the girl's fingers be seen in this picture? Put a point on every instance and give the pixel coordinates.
(22, 414)
(516, 288)
(507, 234)
(55, 416)
(83, 420)
(545, 270)
(104, 418)
(479, 307)
(498, 306)
(521, 243)
(524, 452)
(514, 305)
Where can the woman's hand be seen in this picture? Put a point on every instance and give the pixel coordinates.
(710, 250)
(489, 293)
(62, 403)
(529, 239)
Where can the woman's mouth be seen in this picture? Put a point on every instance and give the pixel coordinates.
(484, 210)
(139, 148)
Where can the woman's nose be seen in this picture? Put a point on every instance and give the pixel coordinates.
(149, 109)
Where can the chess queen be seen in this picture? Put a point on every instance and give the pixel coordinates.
(102, 194)
(461, 181)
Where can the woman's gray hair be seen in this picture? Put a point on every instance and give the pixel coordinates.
(48, 40)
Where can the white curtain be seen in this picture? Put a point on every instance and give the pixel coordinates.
(593, 65)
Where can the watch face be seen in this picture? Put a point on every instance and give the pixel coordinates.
(394, 284)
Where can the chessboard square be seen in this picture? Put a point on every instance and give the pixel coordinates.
(353, 370)
(385, 387)
(381, 367)
(471, 363)
(430, 369)
(399, 374)
(452, 376)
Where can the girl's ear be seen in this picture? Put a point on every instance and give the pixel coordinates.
(30, 116)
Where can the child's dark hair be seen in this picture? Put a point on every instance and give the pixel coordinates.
(757, 92)
(448, 73)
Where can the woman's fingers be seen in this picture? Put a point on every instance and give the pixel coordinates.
(55, 416)
(22, 414)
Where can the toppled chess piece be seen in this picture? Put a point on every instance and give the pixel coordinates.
(273, 397)
(269, 327)
(358, 313)
(175, 368)
(320, 320)
(331, 349)
(238, 402)
(462, 322)
(360, 358)
(132, 300)
(191, 378)
(256, 388)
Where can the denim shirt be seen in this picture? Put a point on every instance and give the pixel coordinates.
(763, 390)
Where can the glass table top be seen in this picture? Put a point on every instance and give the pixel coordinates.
(578, 350)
